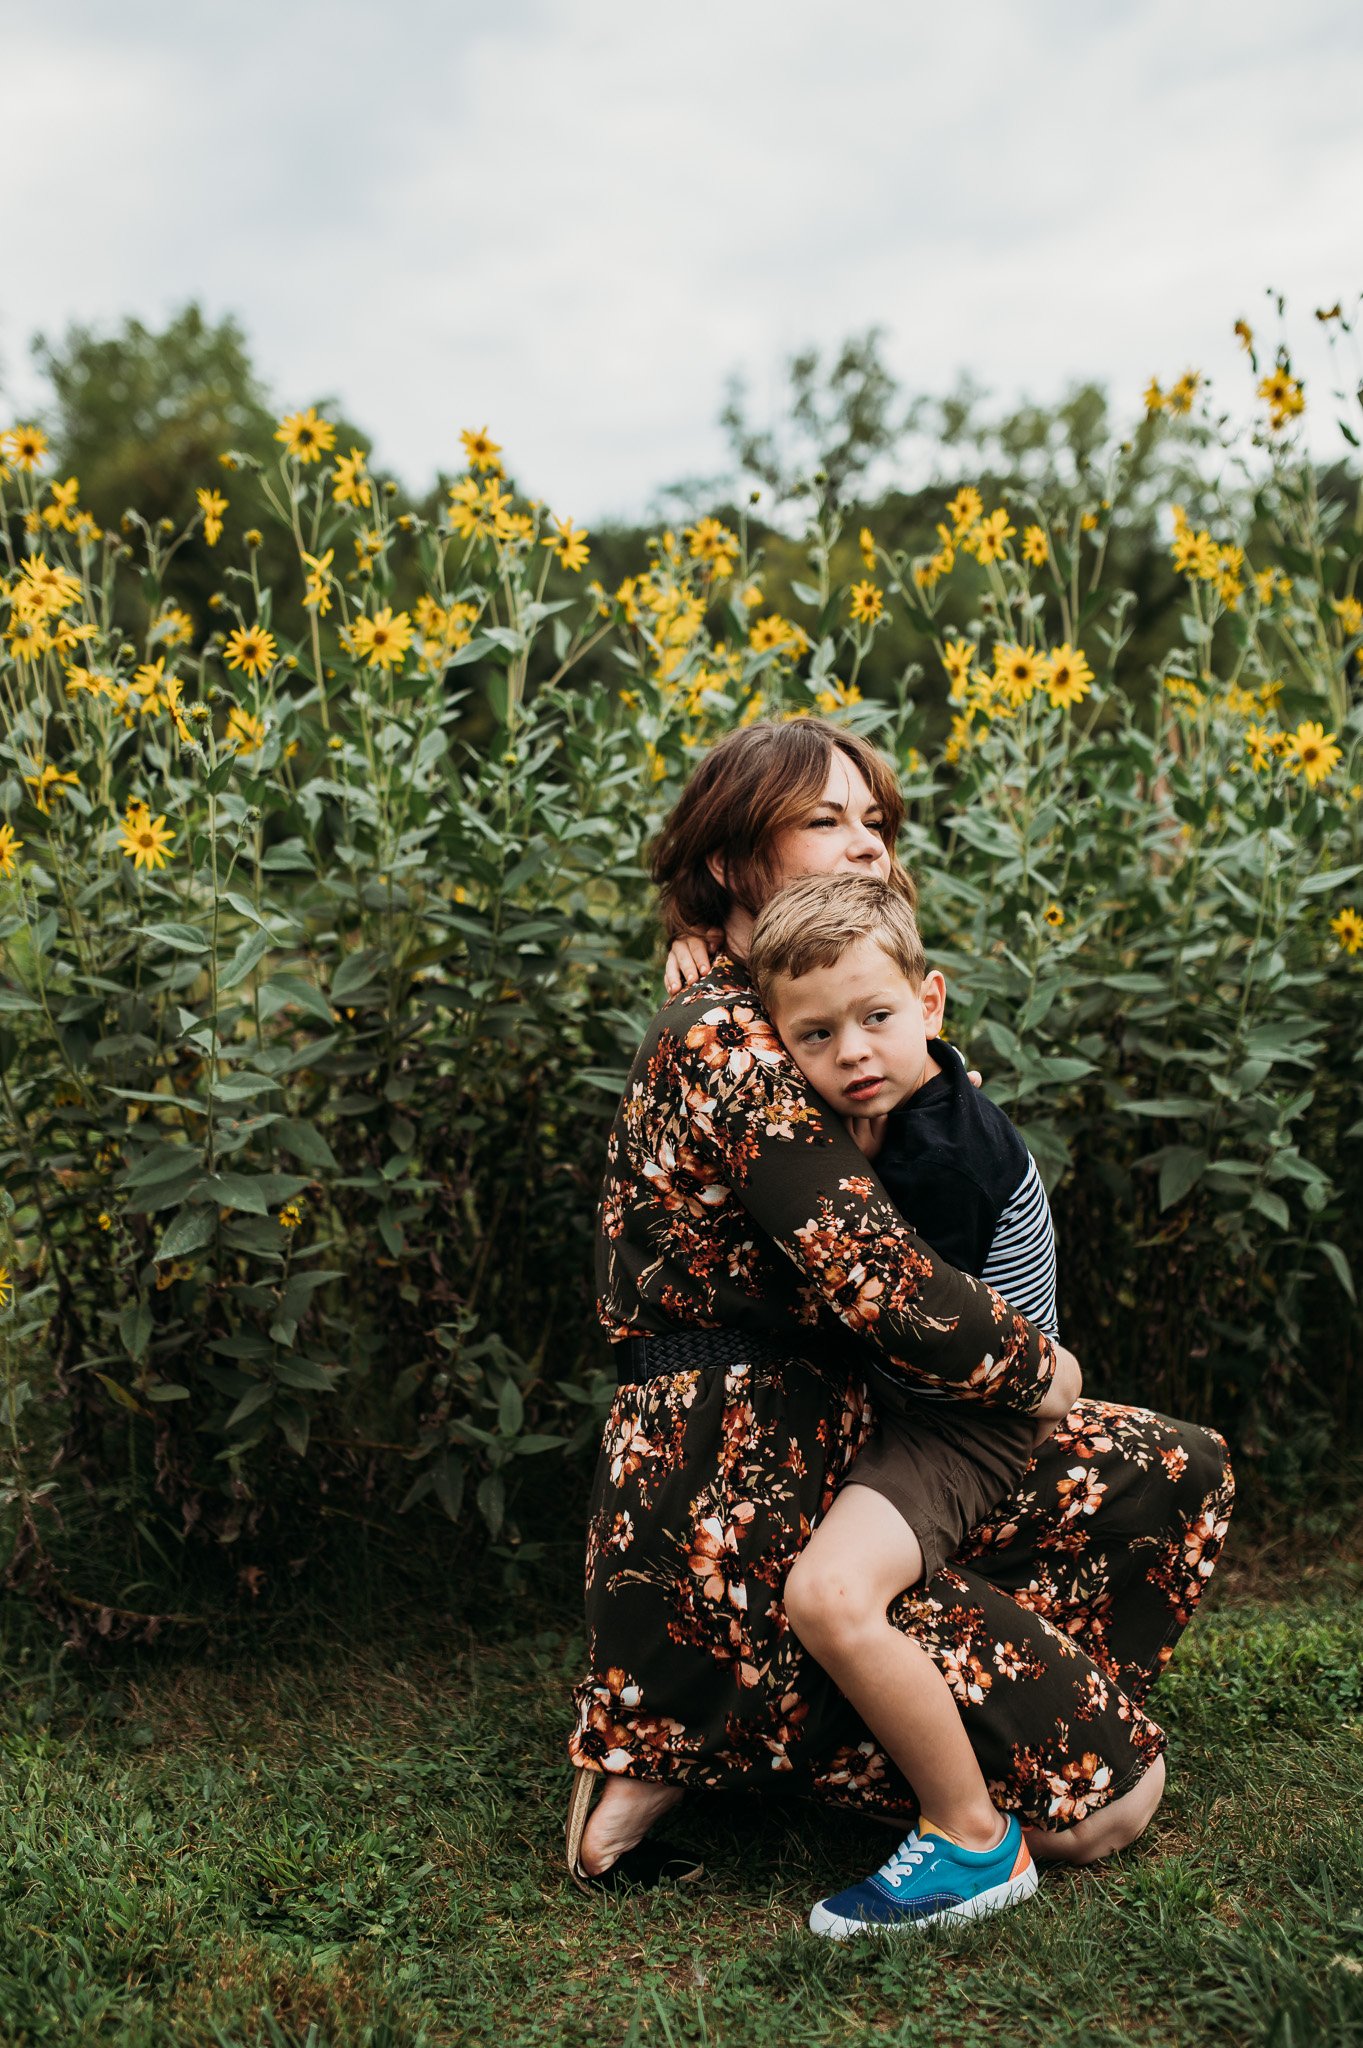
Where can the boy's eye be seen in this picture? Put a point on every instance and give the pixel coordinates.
(878, 1016)
(815, 1037)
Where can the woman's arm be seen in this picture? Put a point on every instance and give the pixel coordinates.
(788, 1159)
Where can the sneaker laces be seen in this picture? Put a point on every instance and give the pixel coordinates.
(905, 1860)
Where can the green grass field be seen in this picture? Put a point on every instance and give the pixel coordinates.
(353, 1835)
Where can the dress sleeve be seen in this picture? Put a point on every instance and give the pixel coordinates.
(789, 1160)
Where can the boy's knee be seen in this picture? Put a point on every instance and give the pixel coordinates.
(824, 1602)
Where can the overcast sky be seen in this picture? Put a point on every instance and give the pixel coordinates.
(573, 223)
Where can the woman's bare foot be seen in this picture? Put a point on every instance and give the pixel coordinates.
(1105, 1832)
(622, 1816)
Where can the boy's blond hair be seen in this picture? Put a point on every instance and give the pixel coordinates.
(811, 923)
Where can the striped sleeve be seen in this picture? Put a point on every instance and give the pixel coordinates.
(1021, 1261)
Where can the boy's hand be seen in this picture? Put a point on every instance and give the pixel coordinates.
(868, 1133)
(689, 957)
(1067, 1384)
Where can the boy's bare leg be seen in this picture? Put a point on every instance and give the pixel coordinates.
(860, 1558)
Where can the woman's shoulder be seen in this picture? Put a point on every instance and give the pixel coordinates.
(721, 1011)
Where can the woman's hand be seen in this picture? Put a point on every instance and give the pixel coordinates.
(689, 957)
(1067, 1384)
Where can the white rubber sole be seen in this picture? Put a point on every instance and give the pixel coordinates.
(835, 1928)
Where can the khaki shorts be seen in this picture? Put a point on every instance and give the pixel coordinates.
(943, 1472)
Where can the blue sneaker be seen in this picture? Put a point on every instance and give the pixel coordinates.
(929, 1880)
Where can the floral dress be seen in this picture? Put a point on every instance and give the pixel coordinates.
(735, 1201)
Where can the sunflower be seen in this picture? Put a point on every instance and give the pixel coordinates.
(1054, 916)
(772, 631)
(1259, 747)
(1312, 752)
(965, 508)
(212, 504)
(569, 544)
(1036, 548)
(383, 640)
(1283, 395)
(145, 839)
(251, 648)
(1066, 675)
(482, 451)
(1348, 929)
(867, 602)
(958, 657)
(987, 539)
(1017, 671)
(9, 851)
(25, 446)
(306, 437)
(866, 541)
(350, 485)
(49, 781)
(245, 733)
(6, 1288)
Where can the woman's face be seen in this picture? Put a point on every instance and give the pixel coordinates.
(842, 830)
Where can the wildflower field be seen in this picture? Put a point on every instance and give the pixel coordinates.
(327, 941)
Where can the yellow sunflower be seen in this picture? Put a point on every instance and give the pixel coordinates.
(250, 648)
(145, 839)
(1312, 752)
(306, 437)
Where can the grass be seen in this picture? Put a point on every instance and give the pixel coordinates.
(351, 1834)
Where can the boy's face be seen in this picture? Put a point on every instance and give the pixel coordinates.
(859, 1031)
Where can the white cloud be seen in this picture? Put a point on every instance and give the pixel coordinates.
(573, 225)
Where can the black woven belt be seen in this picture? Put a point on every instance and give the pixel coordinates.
(643, 1358)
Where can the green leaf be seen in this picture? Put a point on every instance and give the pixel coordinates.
(249, 954)
(1333, 878)
(293, 1419)
(188, 1231)
(1340, 1266)
(291, 855)
(1180, 1169)
(120, 1394)
(233, 1191)
(492, 1502)
(244, 907)
(510, 1408)
(355, 971)
(1166, 1105)
(168, 1390)
(306, 1372)
(257, 1397)
(447, 1478)
(183, 938)
(306, 1143)
(1273, 1206)
(135, 1328)
(283, 989)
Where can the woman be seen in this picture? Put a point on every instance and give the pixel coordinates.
(749, 1266)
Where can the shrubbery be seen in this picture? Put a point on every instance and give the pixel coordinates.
(326, 951)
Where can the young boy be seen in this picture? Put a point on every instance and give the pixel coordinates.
(839, 964)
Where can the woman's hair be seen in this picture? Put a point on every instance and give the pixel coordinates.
(814, 921)
(750, 787)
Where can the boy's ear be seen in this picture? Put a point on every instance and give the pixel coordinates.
(933, 994)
